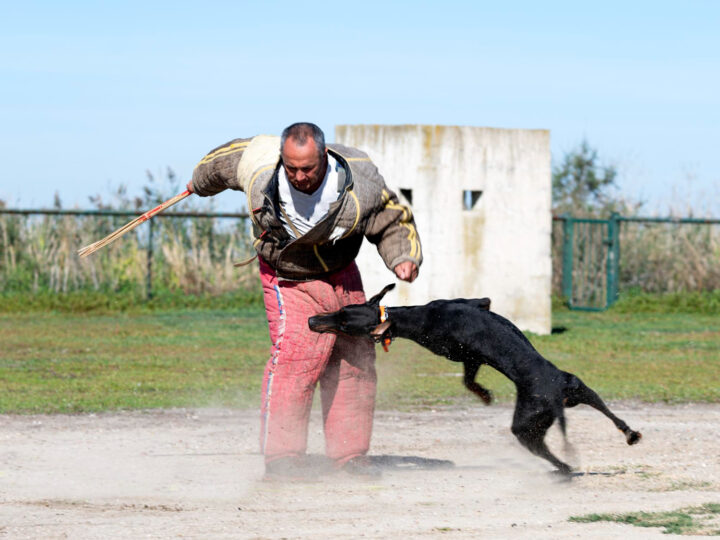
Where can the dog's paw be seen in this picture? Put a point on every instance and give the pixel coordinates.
(563, 474)
(483, 393)
(633, 437)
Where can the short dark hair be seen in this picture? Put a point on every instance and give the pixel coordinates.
(300, 131)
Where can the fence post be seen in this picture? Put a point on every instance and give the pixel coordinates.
(613, 258)
(567, 257)
(149, 261)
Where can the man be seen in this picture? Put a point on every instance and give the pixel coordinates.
(311, 205)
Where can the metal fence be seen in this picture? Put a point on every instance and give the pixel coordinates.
(589, 253)
(148, 232)
(589, 265)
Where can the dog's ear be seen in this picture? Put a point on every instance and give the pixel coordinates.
(379, 332)
(376, 299)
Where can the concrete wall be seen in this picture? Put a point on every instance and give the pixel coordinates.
(501, 247)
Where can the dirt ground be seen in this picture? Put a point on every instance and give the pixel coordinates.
(197, 474)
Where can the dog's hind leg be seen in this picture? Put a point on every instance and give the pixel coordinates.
(470, 372)
(530, 427)
(578, 392)
(568, 448)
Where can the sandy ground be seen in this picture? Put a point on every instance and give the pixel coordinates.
(197, 474)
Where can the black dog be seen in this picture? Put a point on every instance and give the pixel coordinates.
(467, 331)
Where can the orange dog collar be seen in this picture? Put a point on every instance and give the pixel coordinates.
(384, 317)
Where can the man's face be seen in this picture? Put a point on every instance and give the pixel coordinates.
(304, 167)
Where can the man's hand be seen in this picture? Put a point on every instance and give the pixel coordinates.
(190, 187)
(407, 271)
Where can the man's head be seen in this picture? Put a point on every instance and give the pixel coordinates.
(304, 156)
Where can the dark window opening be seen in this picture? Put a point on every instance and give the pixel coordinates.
(407, 193)
(470, 198)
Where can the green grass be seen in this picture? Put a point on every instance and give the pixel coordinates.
(634, 301)
(133, 300)
(70, 362)
(692, 520)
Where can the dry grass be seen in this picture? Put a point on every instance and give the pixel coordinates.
(39, 253)
(662, 257)
(195, 256)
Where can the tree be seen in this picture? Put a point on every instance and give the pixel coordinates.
(580, 185)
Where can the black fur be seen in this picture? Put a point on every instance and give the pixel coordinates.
(467, 331)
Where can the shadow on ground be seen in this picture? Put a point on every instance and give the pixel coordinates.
(385, 462)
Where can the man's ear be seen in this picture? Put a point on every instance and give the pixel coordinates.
(380, 330)
(376, 299)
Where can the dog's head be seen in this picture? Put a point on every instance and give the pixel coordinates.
(354, 320)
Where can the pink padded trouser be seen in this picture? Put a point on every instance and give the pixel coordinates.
(344, 366)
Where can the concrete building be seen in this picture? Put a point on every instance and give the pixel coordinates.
(482, 204)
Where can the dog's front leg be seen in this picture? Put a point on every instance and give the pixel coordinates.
(471, 370)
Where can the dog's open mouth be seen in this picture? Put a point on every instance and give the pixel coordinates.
(381, 333)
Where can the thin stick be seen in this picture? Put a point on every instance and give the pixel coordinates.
(92, 248)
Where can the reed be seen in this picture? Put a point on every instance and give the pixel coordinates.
(666, 257)
(658, 257)
(196, 255)
(191, 255)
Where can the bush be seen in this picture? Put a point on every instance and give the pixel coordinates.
(637, 301)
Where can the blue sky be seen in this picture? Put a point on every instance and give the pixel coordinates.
(93, 94)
